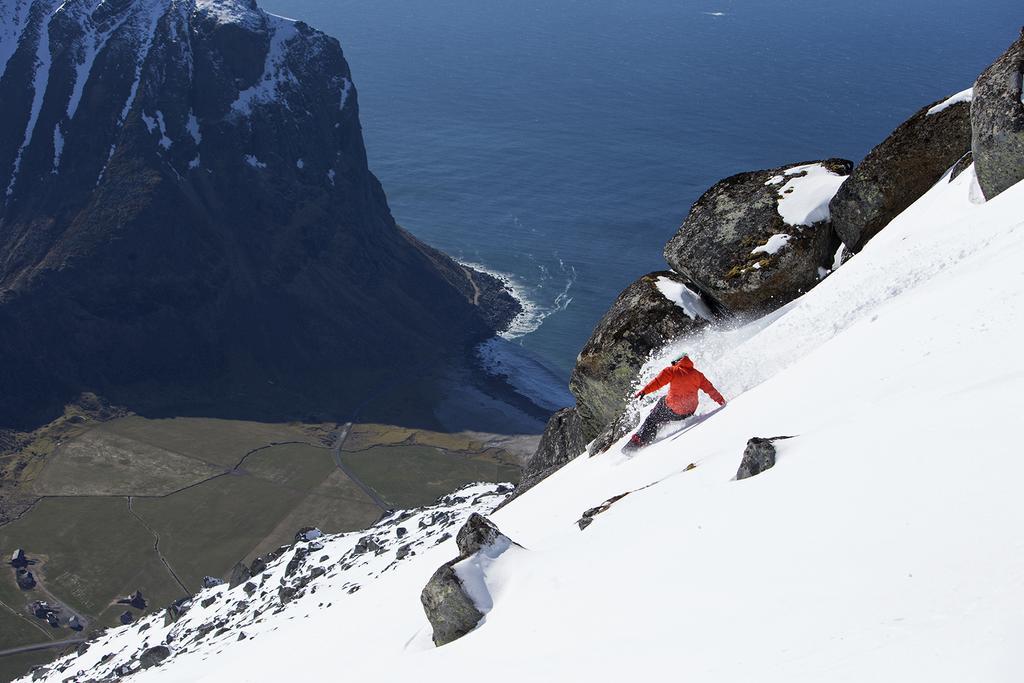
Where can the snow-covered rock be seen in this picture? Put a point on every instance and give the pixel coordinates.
(997, 117)
(755, 241)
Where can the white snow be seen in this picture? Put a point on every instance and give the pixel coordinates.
(40, 79)
(346, 88)
(479, 574)
(774, 245)
(58, 148)
(276, 72)
(254, 162)
(194, 163)
(804, 199)
(300, 164)
(684, 297)
(231, 12)
(962, 96)
(192, 125)
(884, 545)
(330, 176)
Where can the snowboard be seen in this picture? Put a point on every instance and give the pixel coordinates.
(672, 434)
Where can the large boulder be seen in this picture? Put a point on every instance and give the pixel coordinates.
(901, 169)
(758, 240)
(997, 117)
(452, 608)
(654, 310)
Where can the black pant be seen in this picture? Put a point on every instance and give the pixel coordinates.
(661, 415)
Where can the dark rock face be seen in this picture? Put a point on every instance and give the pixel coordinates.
(641, 320)
(726, 247)
(154, 655)
(758, 456)
(189, 207)
(451, 611)
(997, 117)
(127, 617)
(562, 441)
(900, 170)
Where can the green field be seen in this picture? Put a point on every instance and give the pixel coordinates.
(119, 499)
(410, 476)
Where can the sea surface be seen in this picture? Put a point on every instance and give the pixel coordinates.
(561, 142)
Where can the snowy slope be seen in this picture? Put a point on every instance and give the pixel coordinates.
(884, 545)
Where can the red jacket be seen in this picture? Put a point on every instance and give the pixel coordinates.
(684, 381)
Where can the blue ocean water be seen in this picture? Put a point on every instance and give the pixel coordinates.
(562, 141)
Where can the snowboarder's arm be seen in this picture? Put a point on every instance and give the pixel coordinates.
(710, 390)
(663, 378)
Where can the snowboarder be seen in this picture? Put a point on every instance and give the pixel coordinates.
(684, 381)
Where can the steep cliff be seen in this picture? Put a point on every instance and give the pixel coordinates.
(188, 216)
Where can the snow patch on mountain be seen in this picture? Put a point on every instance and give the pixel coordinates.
(685, 298)
(276, 72)
(804, 198)
(40, 78)
(962, 96)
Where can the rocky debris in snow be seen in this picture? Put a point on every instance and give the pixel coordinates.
(400, 532)
(740, 250)
(758, 456)
(154, 655)
(239, 575)
(641, 320)
(899, 171)
(82, 648)
(211, 581)
(307, 533)
(587, 518)
(997, 119)
(222, 613)
(450, 607)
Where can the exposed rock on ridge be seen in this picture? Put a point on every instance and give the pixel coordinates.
(997, 118)
(901, 169)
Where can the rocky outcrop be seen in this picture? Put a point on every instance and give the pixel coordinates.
(561, 442)
(997, 117)
(757, 240)
(901, 169)
(656, 308)
(758, 456)
(187, 216)
(451, 608)
(154, 655)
